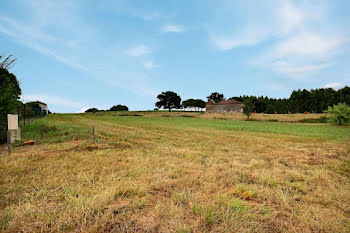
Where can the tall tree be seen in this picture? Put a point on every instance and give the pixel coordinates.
(217, 97)
(9, 96)
(168, 100)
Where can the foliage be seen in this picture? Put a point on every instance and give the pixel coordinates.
(217, 97)
(340, 113)
(92, 110)
(248, 107)
(168, 100)
(119, 108)
(193, 103)
(7, 62)
(300, 101)
(9, 95)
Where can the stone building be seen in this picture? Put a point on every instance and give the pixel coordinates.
(42, 106)
(224, 106)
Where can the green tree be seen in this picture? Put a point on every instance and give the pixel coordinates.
(9, 95)
(188, 103)
(248, 107)
(92, 110)
(344, 95)
(217, 97)
(193, 103)
(340, 113)
(199, 103)
(168, 100)
(119, 108)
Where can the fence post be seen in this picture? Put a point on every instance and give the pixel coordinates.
(93, 134)
(9, 141)
(24, 114)
(41, 132)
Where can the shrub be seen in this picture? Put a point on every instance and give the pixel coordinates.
(248, 107)
(339, 114)
(119, 108)
(92, 110)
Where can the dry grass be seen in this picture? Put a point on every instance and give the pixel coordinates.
(157, 175)
(227, 116)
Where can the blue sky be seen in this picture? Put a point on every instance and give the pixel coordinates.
(80, 54)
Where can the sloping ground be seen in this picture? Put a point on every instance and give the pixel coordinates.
(151, 174)
(226, 116)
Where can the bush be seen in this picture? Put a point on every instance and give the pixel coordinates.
(248, 107)
(92, 110)
(339, 114)
(119, 108)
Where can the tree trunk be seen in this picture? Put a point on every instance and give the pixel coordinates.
(169, 109)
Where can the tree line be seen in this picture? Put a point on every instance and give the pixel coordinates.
(118, 107)
(170, 100)
(300, 101)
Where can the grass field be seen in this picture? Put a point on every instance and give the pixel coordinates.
(178, 172)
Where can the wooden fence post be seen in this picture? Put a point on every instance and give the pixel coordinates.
(41, 131)
(9, 141)
(93, 134)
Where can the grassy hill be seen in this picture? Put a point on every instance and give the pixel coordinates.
(182, 172)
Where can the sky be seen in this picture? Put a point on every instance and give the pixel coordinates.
(78, 54)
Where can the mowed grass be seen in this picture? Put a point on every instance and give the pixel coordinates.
(176, 172)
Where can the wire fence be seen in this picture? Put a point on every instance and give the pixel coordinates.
(27, 114)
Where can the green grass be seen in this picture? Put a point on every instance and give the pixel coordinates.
(54, 132)
(325, 131)
(58, 128)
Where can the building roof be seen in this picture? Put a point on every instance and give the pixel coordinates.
(37, 102)
(224, 102)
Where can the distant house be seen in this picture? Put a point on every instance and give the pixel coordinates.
(224, 106)
(43, 106)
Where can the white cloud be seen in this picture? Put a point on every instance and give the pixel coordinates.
(298, 39)
(34, 39)
(82, 110)
(308, 44)
(148, 16)
(290, 17)
(294, 70)
(301, 55)
(149, 65)
(334, 85)
(172, 28)
(138, 51)
(51, 100)
(230, 43)
(274, 20)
